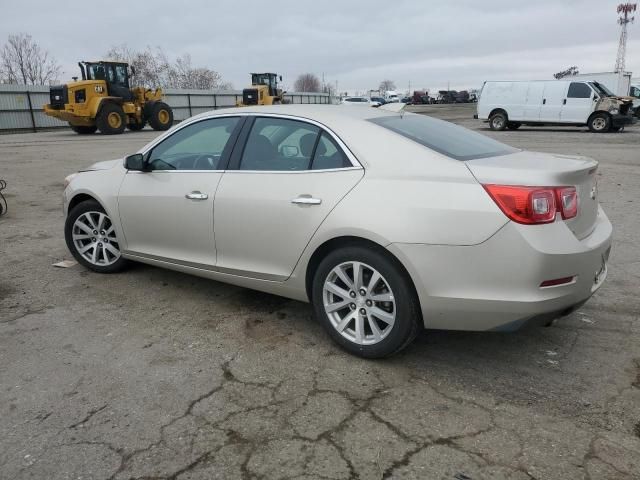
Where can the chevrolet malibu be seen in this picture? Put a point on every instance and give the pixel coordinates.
(387, 222)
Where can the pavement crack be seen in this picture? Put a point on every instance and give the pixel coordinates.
(88, 417)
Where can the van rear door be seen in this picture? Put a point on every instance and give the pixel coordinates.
(533, 103)
(552, 100)
(579, 103)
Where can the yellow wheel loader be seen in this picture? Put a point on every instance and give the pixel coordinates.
(103, 100)
(263, 91)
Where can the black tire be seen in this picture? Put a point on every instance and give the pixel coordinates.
(111, 119)
(135, 126)
(408, 319)
(599, 122)
(615, 129)
(91, 206)
(160, 116)
(498, 121)
(513, 125)
(84, 130)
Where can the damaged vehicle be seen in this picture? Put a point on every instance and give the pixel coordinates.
(508, 105)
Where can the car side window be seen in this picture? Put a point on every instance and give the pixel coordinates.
(579, 90)
(279, 144)
(329, 155)
(199, 146)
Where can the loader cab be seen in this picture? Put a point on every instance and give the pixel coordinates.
(268, 79)
(114, 74)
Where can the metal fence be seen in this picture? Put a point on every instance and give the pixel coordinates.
(21, 107)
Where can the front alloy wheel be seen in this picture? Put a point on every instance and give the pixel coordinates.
(92, 239)
(95, 239)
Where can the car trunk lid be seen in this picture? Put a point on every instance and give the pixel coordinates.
(546, 170)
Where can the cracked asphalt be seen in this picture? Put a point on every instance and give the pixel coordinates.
(153, 374)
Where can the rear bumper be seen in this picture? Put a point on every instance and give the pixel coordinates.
(622, 120)
(496, 285)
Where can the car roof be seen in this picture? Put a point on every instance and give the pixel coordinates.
(330, 115)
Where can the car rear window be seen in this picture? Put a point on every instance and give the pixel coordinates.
(444, 137)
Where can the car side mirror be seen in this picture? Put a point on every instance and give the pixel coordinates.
(134, 162)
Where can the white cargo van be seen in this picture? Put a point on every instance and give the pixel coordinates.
(553, 102)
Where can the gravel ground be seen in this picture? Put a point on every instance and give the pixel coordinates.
(156, 374)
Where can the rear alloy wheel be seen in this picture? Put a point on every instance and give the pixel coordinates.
(91, 238)
(365, 302)
(161, 116)
(600, 123)
(498, 121)
(111, 119)
(84, 130)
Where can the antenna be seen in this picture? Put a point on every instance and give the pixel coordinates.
(624, 9)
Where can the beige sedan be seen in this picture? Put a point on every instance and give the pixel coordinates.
(386, 222)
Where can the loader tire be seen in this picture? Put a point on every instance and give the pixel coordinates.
(111, 119)
(161, 116)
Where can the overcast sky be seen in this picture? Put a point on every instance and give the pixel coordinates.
(357, 43)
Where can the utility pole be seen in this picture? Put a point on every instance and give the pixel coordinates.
(624, 9)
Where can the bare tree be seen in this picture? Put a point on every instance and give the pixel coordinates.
(154, 69)
(386, 85)
(183, 75)
(307, 82)
(22, 61)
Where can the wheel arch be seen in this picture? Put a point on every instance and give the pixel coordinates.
(498, 110)
(350, 240)
(598, 112)
(80, 197)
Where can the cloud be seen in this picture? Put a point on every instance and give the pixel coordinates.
(357, 43)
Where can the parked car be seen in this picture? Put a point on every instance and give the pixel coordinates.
(380, 100)
(420, 97)
(553, 102)
(362, 101)
(462, 97)
(446, 96)
(391, 96)
(386, 222)
(405, 100)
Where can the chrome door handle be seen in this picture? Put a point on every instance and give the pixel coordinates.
(306, 200)
(196, 196)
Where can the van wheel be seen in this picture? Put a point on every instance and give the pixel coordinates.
(365, 302)
(111, 120)
(513, 125)
(498, 121)
(600, 123)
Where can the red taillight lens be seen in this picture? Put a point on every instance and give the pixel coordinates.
(534, 205)
(567, 200)
(528, 205)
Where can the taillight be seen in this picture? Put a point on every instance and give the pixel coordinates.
(567, 199)
(534, 205)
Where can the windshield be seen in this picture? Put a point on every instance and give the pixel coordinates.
(602, 90)
(96, 71)
(444, 137)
